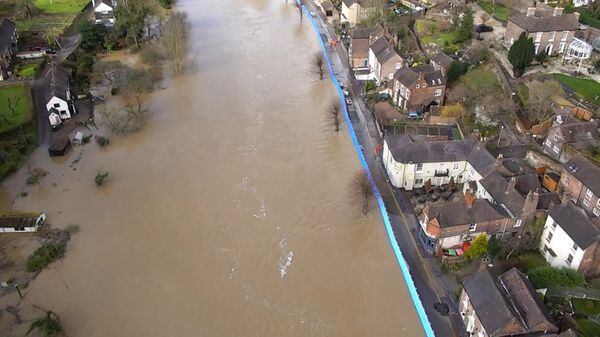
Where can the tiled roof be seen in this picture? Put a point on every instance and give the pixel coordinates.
(575, 223)
(532, 24)
(405, 149)
(57, 81)
(498, 187)
(585, 171)
(442, 59)
(457, 213)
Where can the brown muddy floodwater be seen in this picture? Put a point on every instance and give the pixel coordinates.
(228, 214)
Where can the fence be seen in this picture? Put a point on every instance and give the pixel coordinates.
(576, 292)
(418, 304)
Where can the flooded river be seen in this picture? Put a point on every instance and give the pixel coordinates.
(229, 213)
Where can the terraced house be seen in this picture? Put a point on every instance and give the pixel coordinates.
(581, 184)
(383, 61)
(551, 30)
(418, 88)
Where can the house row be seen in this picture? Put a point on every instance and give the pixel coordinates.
(8, 47)
(551, 29)
(568, 132)
(506, 305)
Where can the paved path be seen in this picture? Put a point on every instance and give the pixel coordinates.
(422, 269)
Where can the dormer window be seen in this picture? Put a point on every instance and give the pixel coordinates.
(424, 85)
(418, 86)
(439, 81)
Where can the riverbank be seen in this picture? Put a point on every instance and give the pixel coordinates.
(211, 215)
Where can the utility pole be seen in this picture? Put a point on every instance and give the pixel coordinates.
(19, 291)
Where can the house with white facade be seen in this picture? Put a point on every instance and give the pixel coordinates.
(506, 305)
(383, 61)
(571, 240)
(411, 161)
(104, 12)
(56, 93)
(354, 11)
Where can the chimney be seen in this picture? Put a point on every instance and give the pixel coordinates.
(530, 11)
(499, 160)
(530, 204)
(576, 14)
(558, 11)
(469, 198)
(565, 198)
(511, 185)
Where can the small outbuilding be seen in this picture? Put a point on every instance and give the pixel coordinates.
(60, 147)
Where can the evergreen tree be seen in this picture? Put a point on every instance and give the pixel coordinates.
(521, 53)
(465, 26)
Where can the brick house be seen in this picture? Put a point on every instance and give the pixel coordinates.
(551, 30)
(441, 62)
(507, 305)
(418, 88)
(580, 183)
(569, 131)
(448, 225)
(8, 47)
(383, 60)
(571, 240)
(358, 52)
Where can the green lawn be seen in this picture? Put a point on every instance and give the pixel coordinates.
(17, 94)
(40, 23)
(429, 34)
(588, 328)
(27, 70)
(585, 88)
(498, 11)
(60, 6)
(586, 306)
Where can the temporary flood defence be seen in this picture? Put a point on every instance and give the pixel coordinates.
(418, 304)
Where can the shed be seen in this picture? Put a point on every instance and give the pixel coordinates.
(550, 181)
(60, 147)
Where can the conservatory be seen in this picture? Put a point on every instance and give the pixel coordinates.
(579, 50)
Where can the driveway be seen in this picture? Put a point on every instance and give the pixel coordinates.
(499, 28)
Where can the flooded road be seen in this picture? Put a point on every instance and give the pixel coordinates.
(229, 213)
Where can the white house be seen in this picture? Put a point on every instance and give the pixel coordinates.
(411, 160)
(353, 11)
(104, 12)
(571, 240)
(56, 92)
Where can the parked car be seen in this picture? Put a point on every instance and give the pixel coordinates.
(346, 92)
(483, 28)
(313, 14)
(414, 115)
(348, 101)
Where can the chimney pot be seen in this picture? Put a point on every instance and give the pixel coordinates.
(530, 11)
(558, 11)
(511, 185)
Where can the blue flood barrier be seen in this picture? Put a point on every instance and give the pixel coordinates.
(418, 304)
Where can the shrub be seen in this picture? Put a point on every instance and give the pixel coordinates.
(102, 141)
(544, 277)
(101, 178)
(44, 255)
(72, 228)
(478, 247)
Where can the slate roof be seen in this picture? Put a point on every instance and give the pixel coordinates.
(382, 49)
(497, 186)
(585, 171)
(409, 75)
(546, 23)
(575, 223)
(490, 306)
(457, 213)
(528, 182)
(7, 31)
(351, 2)
(405, 149)
(57, 81)
(327, 5)
(442, 59)
(481, 160)
(576, 131)
(526, 301)
(406, 76)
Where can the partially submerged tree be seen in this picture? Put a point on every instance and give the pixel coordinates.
(48, 326)
(521, 54)
(175, 41)
(100, 178)
(299, 7)
(318, 63)
(334, 114)
(362, 189)
(130, 16)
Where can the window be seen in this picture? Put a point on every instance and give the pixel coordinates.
(596, 211)
(553, 224)
(455, 167)
(519, 223)
(407, 93)
(555, 148)
(418, 181)
(589, 194)
(424, 85)
(472, 227)
(569, 259)
(402, 89)
(57, 105)
(548, 143)
(419, 168)
(549, 237)
(586, 202)
(398, 66)
(561, 47)
(438, 92)
(418, 86)
(537, 47)
(545, 248)
(556, 137)
(552, 35)
(575, 246)
(564, 36)
(538, 37)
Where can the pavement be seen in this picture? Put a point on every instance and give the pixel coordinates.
(425, 273)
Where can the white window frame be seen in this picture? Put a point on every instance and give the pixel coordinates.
(472, 227)
(556, 137)
(418, 181)
(438, 92)
(417, 169)
(565, 35)
(549, 237)
(455, 166)
(538, 37)
(552, 36)
(556, 149)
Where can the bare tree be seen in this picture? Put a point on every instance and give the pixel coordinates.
(113, 72)
(334, 114)
(299, 6)
(175, 41)
(318, 62)
(362, 189)
(540, 94)
(12, 103)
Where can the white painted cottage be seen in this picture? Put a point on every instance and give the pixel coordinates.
(104, 12)
(56, 93)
